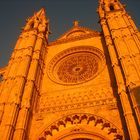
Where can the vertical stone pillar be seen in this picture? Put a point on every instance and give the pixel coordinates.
(17, 91)
(33, 77)
(107, 27)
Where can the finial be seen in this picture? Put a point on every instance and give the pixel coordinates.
(76, 23)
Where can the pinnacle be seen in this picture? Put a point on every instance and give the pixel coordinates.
(38, 18)
(76, 23)
(41, 12)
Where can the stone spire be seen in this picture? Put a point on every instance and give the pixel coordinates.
(38, 21)
(111, 5)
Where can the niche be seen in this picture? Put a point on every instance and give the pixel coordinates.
(32, 26)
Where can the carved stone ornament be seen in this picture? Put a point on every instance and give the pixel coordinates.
(76, 33)
(76, 65)
(84, 126)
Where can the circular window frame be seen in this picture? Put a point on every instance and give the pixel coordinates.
(56, 62)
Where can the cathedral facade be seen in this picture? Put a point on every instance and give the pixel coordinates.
(85, 85)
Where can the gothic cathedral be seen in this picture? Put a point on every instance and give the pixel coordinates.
(83, 86)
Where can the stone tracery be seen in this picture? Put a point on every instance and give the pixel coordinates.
(76, 65)
(76, 121)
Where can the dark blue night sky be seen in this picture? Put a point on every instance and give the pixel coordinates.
(61, 13)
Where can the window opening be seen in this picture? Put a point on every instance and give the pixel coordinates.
(111, 8)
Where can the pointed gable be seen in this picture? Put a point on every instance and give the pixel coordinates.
(76, 33)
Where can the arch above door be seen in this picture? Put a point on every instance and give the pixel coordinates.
(81, 126)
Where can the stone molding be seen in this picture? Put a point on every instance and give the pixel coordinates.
(80, 98)
(77, 121)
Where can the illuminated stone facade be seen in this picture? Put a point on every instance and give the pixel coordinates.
(83, 86)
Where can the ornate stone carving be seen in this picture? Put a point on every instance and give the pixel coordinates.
(76, 33)
(68, 100)
(109, 103)
(76, 65)
(79, 124)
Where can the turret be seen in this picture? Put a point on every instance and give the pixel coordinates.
(122, 41)
(22, 79)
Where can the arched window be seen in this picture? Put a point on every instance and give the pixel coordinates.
(111, 7)
(32, 26)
